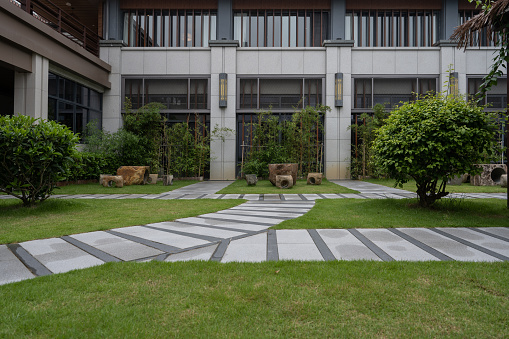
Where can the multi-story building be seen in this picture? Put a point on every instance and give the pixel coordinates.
(75, 61)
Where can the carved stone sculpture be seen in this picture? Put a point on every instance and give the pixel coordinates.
(134, 175)
(167, 180)
(251, 179)
(284, 181)
(152, 178)
(490, 175)
(503, 180)
(315, 178)
(282, 169)
(113, 181)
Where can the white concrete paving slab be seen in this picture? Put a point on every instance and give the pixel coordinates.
(491, 243)
(296, 245)
(395, 246)
(260, 213)
(352, 196)
(203, 253)
(240, 218)
(11, 268)
(251, 197)
(231, 196)
(190, 196)
(311, 196)
(118, 247)
(162, 237)
(332, 196)
(248, 249)
(245, 207)
(211, 232)
(212, 196)
(203, 187)
(260, 204)
(268, 197)
(451, 248)
(344, 246)
(59, 256)
(292, 197)
(500, 231)
(226, 224)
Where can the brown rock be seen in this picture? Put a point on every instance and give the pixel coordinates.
(101, 178)
(251, 179)
(315, 178)
(113, 181)
(284, 181)
(490, 175)
(134, 175)
(282, 169)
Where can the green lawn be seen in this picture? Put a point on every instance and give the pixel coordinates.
(272, 299)
(133, 189)
(57, 217)
(384, 213)
(265, 187)
(463, 188)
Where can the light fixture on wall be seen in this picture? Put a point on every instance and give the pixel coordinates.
(223, 89)
(453, 83)
(338, 90)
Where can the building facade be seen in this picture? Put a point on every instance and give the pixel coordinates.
(226, 60)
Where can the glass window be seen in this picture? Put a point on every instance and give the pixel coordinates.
(496, 98)
(134, 92)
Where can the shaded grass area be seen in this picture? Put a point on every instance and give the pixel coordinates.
(133, 189)
(271, 299)
(463, 188)
(265, 187)
(57, 217)
(384, 213)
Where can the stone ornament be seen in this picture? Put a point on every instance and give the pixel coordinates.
(113, 181)
(503, 180)
(251, 179)
(152, 178)
(284, 181)
(167, 180)
(101, 178)
(134, 175)
(283, 169)
(315, 178)
(490, 175)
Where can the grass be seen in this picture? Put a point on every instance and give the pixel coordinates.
(384, 213)
(271, 299)
(265, 187)
(133, 189)
(57, 217)
(463, 188)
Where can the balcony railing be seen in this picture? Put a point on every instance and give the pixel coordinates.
(62, 22)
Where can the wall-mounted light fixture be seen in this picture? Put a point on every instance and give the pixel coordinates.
(338, 90)
(223, 89)
(453, 83)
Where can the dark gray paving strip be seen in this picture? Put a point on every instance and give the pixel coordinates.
(469, 244)
(161, 257)
(282, 197)
(247, 235)
(369, 244)
(421, 245)
(261, 197)
(322, 196)
(239, 213)
(91, 250)
(221, 196)
(242, 221)
(28, 260)
(302, 197)
(159, 246)
(201, 196)
(489, 234)
(179, 197)
(321, 245)
(272, 251)
(220, 250)
(241, 196)
(216, 227)
(191, 235)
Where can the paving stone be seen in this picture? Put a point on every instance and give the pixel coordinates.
(332, 196)
(211, 196)
(261, 213)
(451, 248)
(345, 246)
(307, 205)
(311, 197)
(170, 196)
(395, 246)
(190, 196)
(111, 196)
(373, 196)
(231, 196)
(251, 197)
(11, 268)
(248, 249)
(268, 197)
(202, 253)
(116, 246)
(203, 187)
(296, 245)
(162, 237)
(181, 227)
(490, 243)
(500, 231)
(240, 218)
(59, 256)
(352, 196)
(270, 209)
(292, 197)
(226, 224)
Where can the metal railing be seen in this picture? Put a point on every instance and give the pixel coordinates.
(53, 16)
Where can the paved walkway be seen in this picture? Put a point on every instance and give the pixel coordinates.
(241, 234)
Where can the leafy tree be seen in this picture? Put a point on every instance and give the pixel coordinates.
(34, 155)
(433, 139)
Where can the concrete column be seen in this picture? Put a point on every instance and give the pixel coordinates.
(337, 134)
(338, 13)
(449, 18)
(452, 59)
(111, 52)
(114, 20)
(31, 89)
(223, 60)
(224, 20)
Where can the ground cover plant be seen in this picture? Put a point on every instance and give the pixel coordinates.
(265, 187)
(96, 188)
(271, 299)
(385, 213)
(463, 188)
(57, 217)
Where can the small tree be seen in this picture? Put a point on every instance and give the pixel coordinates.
(34, 155)
(433, 139)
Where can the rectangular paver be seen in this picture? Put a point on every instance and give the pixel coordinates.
(182, 227)
(202, 253)
(225, 224)
(260, 213)
(11, 268)
(477, 238)
(248, 249)
(162, 237)
(296, 245)
(345, 246)
(240, 218)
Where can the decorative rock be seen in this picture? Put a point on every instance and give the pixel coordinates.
(315, 178)
(490, 175)
(251, 179)
(113, 181)
(167, 180)
(503, 180)
(284, 181)
(283, 169)
(152, 178)
(455, 181)
(134, 175)
(101, 178)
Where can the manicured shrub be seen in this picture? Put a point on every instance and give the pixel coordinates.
(34, 155)
(86, 166)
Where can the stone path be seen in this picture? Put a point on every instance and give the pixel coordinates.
(241, 234)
